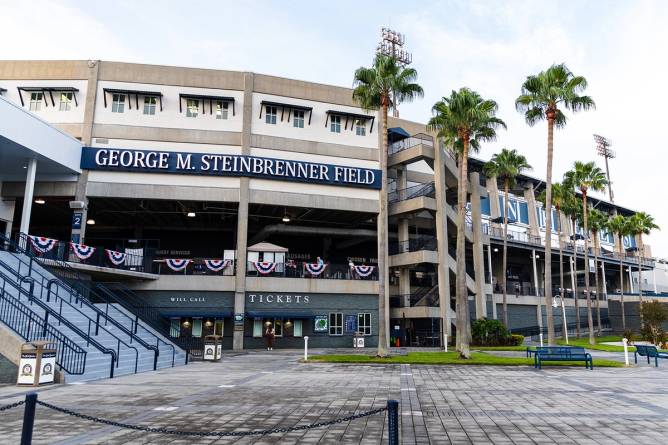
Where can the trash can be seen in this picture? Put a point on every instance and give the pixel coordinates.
(38, 363)
(213, 347)
(358, 340)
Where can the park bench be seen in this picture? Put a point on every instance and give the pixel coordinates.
(562, 354)
(649, 351)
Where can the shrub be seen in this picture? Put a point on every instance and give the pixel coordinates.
(486, 332)
(654, 314)
(515, 340)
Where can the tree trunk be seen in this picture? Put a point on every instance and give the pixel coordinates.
(548, 229)
(564, 320)
(575, 281)
(621, 282)
(462, 292)
(590, 318)
(383, 272)
(598, 298)
(506, 187)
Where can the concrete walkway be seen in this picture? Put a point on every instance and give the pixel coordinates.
(439, 404)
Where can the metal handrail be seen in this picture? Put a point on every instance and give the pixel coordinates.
(407, 143)
(414, 191)
(49, 312)
(70, 357)
(423, 242)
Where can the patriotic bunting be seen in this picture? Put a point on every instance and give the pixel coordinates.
(116, 258)
(364, 271)
(82, 251)
(315, 269)
(42, 244)
(177, 264)
(264, 267)
(217, 265)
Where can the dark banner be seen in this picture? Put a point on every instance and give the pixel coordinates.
(157, 161)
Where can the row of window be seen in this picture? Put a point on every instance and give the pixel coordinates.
(150, 103)
(37, 98)
(271, 118)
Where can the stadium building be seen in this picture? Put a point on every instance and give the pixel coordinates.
(221, 202)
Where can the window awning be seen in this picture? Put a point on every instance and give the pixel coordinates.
(204, 98)
(284, 106)
(353, 116)
(197, 313)
(49, 90)
(130, 93)
(279, 314)
(395, 134)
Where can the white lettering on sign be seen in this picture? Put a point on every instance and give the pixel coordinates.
(279, 299)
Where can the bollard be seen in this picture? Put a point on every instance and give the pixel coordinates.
(445, 342)
(28, 418)
(541, 339)
(393, 422)
(626, 350)
(306, 348)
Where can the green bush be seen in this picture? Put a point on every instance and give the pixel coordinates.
(486, 332)
(654, 315)
(515, 340)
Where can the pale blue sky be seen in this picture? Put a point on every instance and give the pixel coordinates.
(489, 46)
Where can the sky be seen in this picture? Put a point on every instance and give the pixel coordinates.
(489, 46)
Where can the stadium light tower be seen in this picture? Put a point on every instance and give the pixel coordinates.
(392, 44)
(603, 149)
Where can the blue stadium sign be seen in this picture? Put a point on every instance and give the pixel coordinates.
(157, 161)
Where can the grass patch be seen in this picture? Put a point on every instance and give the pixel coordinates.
(449, 358)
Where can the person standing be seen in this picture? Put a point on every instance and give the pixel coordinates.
(269, 335)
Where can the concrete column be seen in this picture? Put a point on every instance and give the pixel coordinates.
(530, 197)
(442, 240)
(605, 285)
(403, 236)
(242, 219)
(629, 269)
(28, 195)
(478, 256)
(493, 190)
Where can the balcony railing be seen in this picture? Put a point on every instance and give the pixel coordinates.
(424, 242)
(196, 266)
(522, 237)
(412, 192)
(331, 271)
(412, 141)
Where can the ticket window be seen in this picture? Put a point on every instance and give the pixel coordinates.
(219, 327)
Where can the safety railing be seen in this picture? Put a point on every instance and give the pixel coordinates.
(412, 141)
(324, 271)
(21, 319)
(424, 242)
(532, 331)
(522, 237)
(415, 191)
(193, 266)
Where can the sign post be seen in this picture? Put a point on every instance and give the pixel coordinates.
(306, 348)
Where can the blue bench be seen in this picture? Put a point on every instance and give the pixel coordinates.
(649, 351)
(531, 350)
(562, 354)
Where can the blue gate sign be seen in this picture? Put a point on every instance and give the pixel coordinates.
(351, 324)
(77, 217)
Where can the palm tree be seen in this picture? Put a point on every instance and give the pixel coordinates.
(571, 208)
(464, 120)
(542, 97)
(559, 196)
(386, 84)
(641, 223)
(598, 221)
(621, 227)
(586, 176)
(506, 165)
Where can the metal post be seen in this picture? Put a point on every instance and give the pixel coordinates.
(393, 422)
(626, 350)
(306, 348)
(28, 418)
(445, 342)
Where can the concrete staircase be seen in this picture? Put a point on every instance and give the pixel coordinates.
(113, 331)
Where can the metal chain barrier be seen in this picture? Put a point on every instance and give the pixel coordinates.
(13, 405)
(209, 433)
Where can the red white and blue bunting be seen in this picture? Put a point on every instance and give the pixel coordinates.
(264, 267)
(217, 265)
(364, 271)
(315, 269)
(82, 251)
(116, 258)
(177, 264)
(42, 244)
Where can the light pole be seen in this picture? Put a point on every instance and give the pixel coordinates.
(602, 148)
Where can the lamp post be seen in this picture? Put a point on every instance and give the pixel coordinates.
(602, 148)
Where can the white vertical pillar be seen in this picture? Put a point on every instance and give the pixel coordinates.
(630, 279)
(28, 195)
(605, 285)
(539, 307)
(654, 279)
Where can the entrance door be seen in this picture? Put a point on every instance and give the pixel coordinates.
(218, 329)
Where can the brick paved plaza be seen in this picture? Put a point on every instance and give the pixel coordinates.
(439, 404)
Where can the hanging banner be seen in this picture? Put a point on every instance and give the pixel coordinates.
(42, 244)
(177, 264)
(264, 267)
(116, 258)
(156, 161)
(364, 271)
(82, 251)
(217, 265)
(315, 269)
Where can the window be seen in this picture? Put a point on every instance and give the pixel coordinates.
(278, 327)
(335, 323)
(65, 101)
(364, 323)
(297, 328)
(192, 107)
(35, 101)
(149, 105)
(335, 124)
(360, 127)
(270, 115)
(118, 103)
(298, 121)
(257, 327)
(221, 110)
(175, 327)
(197, 327)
